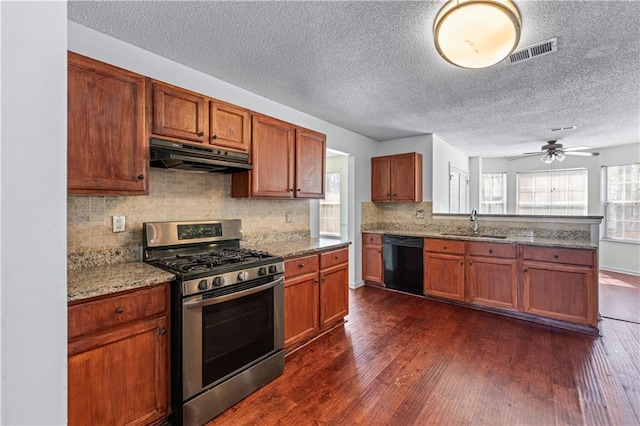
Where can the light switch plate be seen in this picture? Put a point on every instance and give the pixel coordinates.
(419, 214)
(288, 217)
(118, 223)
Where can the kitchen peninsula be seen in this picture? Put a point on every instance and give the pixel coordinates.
(542, 269)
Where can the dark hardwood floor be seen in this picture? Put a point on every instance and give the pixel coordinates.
(405, 360)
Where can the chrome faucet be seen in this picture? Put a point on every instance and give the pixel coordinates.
(474, 220)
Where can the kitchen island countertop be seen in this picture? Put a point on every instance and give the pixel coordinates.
(107, 279)
(510, 239)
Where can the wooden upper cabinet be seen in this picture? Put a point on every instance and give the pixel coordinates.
(272, 157)
(107, 147)
(178, 113)
(397, 178)
(310, 163)
(288, 162)
(230, 126)
(381, 179)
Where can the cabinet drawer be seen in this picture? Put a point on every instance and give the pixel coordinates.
(334, 257)
(300, 266)
(559, 255)
(90, 317)
(444, 246)
(491, 250)
(372, 239)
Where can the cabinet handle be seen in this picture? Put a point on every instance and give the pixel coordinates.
(444, 248)
(379, 251)
(119, 310)
(316, 281)
(162, 331)
(490, 251)
(200, 133)
(323, 279)
(555, 256)
(337, 256)
(301, 265)
(290, 189)
(214, 137)
(526, 269)
(298, 189)
(140, 176)
(461, 263)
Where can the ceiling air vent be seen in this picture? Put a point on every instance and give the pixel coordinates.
(533, 51)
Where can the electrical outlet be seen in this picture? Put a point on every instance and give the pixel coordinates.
(419, 214)
(118, 223)
(288, 217)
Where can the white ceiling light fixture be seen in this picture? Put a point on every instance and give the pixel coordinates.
(477, 33)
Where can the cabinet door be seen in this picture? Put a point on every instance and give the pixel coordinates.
(272, 148)
(107, 149)
(334, 294)
(372, 263)
(300, 309)
(380, 179)
(406, 177)
(310, 163)
(493, 282)
(444, 275)
(119, 377)
(566, 293)
(230, 126)
(178, 113)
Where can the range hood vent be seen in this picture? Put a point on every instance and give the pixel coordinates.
(173, 155)
(533, 51)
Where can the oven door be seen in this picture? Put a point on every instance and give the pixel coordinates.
(223, 334)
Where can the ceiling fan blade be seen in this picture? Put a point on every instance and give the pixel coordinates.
(533, 153)
(576, 148)
(525, 155)
(583, 154)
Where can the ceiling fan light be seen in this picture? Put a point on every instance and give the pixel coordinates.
(547, 158)
(477, 33)
(560, 155)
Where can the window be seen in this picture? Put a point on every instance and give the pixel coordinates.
(330, 207)
(493, 193)
(458, 197)
(621, 195)
(552, 192)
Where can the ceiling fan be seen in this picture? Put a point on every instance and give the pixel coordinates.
(555, 151)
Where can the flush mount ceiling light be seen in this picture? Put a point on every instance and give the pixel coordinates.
(477, 33)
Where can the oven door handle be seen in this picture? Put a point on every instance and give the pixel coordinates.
(227, 297)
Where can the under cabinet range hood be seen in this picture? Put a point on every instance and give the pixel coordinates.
(174, 155)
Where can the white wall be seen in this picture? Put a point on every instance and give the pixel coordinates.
(616, 256)
(108, 49)
(443, 155)
(33, 213)
(421, 144)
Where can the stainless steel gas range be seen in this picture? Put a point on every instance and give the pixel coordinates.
(227, 319)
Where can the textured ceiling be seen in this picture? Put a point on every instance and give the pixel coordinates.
(372, 67)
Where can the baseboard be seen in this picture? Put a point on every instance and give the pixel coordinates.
(620, 270)
(356, 285)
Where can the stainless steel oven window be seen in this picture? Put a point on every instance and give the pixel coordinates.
(224, 335)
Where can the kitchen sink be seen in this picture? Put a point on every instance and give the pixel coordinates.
(500, 237)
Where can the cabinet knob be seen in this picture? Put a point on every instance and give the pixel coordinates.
(555, 256)
(526, 269)
(140, 176)
(119, 310)
(490, 251)
(337, 256)
(461, 263)
(290, 189)
(214, 137)
(298, 189)
(162, 331)
(301, 265)
(200, 133)
(471, 263)
(379, 251)
(444, 248)
(316, 281)
(395, 195)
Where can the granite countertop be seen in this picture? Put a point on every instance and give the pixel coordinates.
(298, 247)
(510, 239)
(100, 280)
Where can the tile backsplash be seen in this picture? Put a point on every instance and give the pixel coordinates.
(178, 195)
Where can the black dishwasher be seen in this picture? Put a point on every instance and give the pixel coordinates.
(403, 263)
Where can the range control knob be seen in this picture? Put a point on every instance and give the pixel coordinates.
(243, 276)
(273, 269)
(203, 285)
(218, 281)
(262, 271)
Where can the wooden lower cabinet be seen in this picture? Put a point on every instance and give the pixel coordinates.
(372, 258)
(118, 374)
(444, 275)
(316, 294)
(493, 282)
